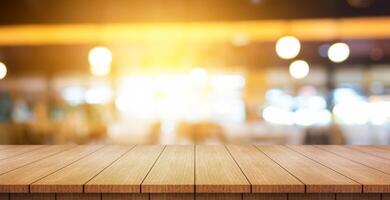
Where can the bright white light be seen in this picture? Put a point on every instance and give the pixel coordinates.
(307, 117)
(98, 95)
(135, 97)
(379, 112)
(278, 116)
(228, 82)
(198, 76)
(3, 70)
(299, 69)
(180, 97)
(317, 103)
(338, 52)
(138, 107)
(280, 99)
(345, 95)
(352, 113)
(100, 61)
(73, 95)
(288, 47)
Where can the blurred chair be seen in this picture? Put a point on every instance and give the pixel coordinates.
(324, 135)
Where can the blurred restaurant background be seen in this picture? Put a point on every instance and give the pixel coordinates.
(183, 72)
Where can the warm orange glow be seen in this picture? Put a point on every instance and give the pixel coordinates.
(266, 30)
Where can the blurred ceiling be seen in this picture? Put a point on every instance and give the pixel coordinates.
(122, 11)
(22, 24)
(54, 59)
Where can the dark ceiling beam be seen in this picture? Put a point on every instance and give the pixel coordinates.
(124, 11)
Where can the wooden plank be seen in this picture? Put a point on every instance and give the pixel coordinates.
(315, 196)
(358, 196)
(316, 177)
(27, 196)
(217, 196)
(379, 152)
(117, 196)
(12, 163)
(5, 146)
(172, 196)
(385, 196)
(17, 150)
(372, 179)
(375, 162)
(78, 196)
(265, 197)
(216, 171)
(173, 171)
(126, 174)
(265, 175)
(72, 178)
(385, 147)
(4, 196)
(19, 179)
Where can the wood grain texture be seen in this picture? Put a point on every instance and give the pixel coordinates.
(315, 196)
(113, 196)
(358, 196)
(196, 172)
(218, 196)
(265, 175)
(385, 147)
(217, 172)
(76, 196)
(19, 179)
(72, 178)
(177, 196)
(173, 172)
(265, 197)
(27, 196)
(5, 146)
(4, 196)
(376, 151)
(385, 196)
(372, 161)
(127, 173)
(371, 179)
(17, 150)
(9, 164)
(318, 178)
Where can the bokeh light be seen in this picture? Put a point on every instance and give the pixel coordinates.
(100, 61)
(299, 69)
(277, 115)
(288, 47)
(3, 70)
(338, 52)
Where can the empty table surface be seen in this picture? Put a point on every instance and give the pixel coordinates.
(194, 169)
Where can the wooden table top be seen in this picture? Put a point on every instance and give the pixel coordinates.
(194, 169)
